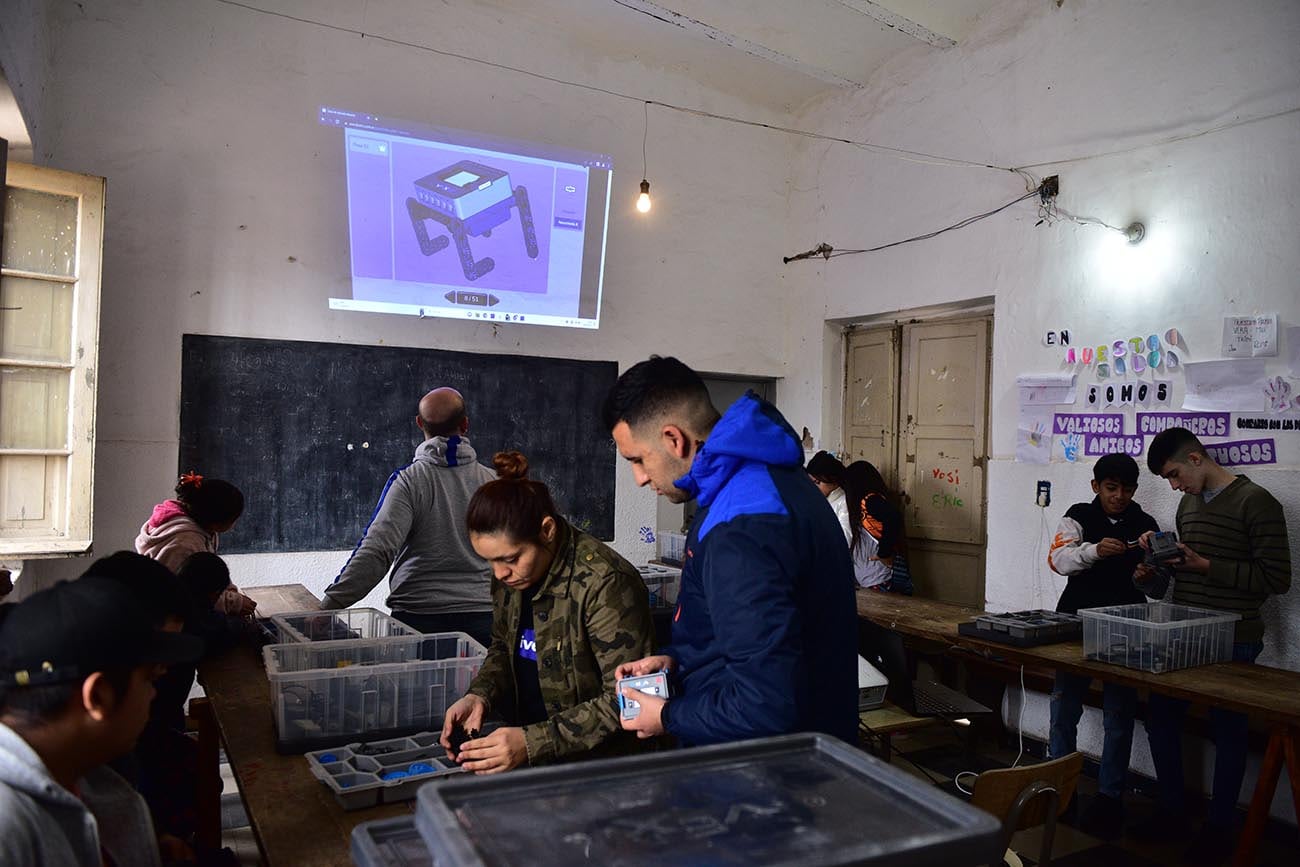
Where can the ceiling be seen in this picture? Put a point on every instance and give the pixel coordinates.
(804, 48)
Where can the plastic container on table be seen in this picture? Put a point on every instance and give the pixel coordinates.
(345, 623)
(1157, 636)
(373, 772)
(672, 547)
(662, 582)
(797, 799)
(389, 843)
(325, 693)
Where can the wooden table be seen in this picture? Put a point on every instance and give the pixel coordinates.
(1269, 695)
(294, 818)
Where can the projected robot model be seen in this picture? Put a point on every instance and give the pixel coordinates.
(471, 200)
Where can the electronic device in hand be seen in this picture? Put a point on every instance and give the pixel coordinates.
(655, 684)
(1164, 548)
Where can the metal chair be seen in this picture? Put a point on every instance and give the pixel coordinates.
(1029, 796)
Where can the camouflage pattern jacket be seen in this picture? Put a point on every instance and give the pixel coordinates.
(591, 613)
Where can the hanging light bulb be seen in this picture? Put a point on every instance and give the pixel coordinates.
(643, 203)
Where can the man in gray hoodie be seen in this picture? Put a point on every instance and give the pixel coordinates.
(438, 583)
(77, 663)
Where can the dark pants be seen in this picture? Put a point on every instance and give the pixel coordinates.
(1165, 732)
(478, 625)
(1119, 704)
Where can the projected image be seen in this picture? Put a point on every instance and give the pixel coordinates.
(453, 224)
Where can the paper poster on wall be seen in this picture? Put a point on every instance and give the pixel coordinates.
(1069, 448)
(1034, 443)
(1046, 389)
(1231, 386)
(1269, 424)
(1203, 424)
(1109, 423)
(1277, 391)
(1293, 350)
(1096, 446)
(1243, 453)
(1265, 344)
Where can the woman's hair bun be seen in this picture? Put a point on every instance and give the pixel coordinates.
(510, 465)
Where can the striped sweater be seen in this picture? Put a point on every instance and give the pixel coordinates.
(1242, 532)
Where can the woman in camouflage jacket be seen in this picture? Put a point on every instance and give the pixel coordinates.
(567, 611)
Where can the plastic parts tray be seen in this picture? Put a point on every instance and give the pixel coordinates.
(798, 799)
(389, 843)
(1024, 628)
(373, 772)
(345, 623)
(326, 693)
(1158, 636)
(662, 582)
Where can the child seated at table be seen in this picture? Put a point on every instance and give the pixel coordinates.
(1096, 547)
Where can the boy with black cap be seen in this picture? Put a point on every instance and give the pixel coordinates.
(1096, 546)
(77, 663)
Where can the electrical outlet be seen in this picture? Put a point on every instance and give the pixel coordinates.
(1043, 496)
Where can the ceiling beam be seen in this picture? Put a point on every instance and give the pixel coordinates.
(699, 28)
(903, 25)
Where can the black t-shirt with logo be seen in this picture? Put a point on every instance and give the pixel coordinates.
(531, 707)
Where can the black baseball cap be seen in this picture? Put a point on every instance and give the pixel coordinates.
(71, 630)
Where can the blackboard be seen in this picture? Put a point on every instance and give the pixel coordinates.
(310, 432)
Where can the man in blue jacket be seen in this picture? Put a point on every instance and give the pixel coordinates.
(765, 632)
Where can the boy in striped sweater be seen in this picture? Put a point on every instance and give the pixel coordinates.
(1235, 555)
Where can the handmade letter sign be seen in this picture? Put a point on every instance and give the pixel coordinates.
(1143, 393)
(1163, 392)
(1101, 353)
(1153, 359)
(1126, 394)
(1087, 355)
(1171, 360)
(1051, 338)
(1171, 336)
(1103, 371)
(1069, 356)
(1120, 367)
(1137, 346)
(1092, 396)
(1110, 395)
(1139, 362)
(1118, 349)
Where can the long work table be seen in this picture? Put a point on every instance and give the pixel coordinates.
(1269, 695)
(294, 818)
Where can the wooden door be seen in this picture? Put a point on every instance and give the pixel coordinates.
(945, 369)
(871, 399)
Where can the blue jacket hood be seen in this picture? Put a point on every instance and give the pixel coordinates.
(750, 431)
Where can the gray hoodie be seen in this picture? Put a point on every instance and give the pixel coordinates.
(43, 823)
(419, 529)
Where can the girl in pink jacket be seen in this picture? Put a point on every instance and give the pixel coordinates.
(203, 509)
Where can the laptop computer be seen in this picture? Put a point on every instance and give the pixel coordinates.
(883, 649)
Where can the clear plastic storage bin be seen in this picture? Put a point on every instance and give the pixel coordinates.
(325, 693)
(798, 799)
(672, 547)
(389, 843)
(1157, 636)
(345, 623)
(662, 582)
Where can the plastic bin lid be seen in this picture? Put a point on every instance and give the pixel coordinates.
(798, 799)
(389, 843)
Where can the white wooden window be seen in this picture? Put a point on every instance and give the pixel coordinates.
(49, 346)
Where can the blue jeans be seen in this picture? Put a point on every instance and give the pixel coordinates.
(1119, 706)
(1165, 731)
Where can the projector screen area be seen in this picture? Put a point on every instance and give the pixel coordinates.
(466, 226)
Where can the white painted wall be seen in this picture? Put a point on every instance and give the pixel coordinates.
(25, 67)
(1036, 83)
(203, 118)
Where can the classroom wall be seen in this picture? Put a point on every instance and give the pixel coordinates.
(1035, 83)
(25, 62)
(226, 207)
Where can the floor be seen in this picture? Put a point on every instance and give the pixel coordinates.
(939, 754)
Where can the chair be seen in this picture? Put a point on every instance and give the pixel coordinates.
(1029, 796)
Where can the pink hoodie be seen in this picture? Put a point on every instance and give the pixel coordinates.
(170, 536)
